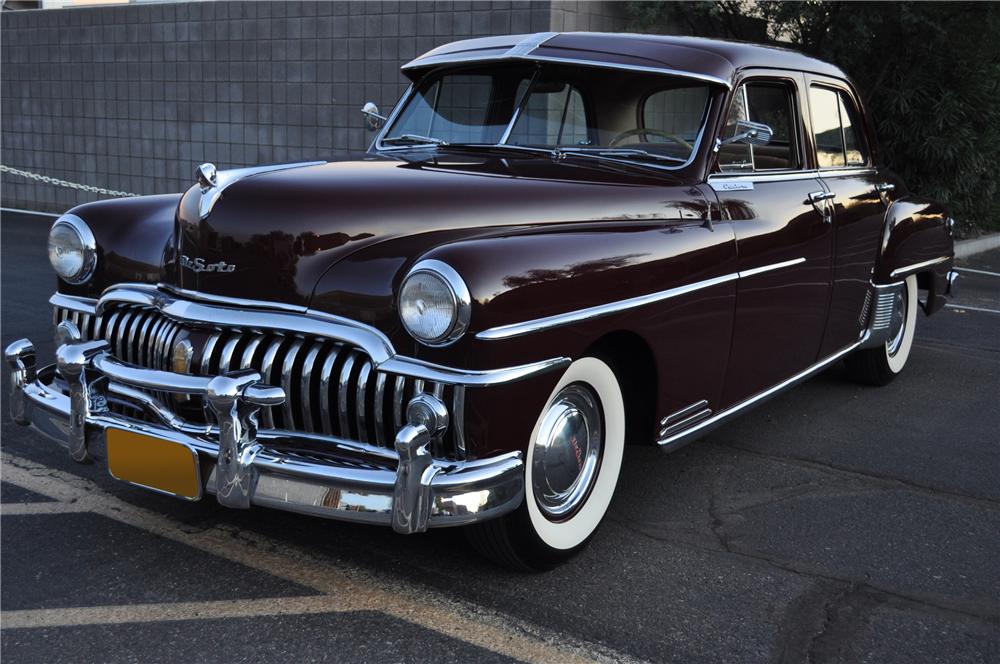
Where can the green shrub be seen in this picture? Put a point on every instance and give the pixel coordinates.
(929, 73)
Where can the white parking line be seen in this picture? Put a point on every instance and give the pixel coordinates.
(22, 509)
(969, 269)
(19, 211)
(144, 613)
(963, 306)
(345, 589)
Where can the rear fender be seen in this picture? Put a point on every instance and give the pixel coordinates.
(917, 239)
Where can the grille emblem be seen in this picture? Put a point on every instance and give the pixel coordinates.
(199, 265)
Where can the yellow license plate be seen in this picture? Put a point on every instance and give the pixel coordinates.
(153, 463)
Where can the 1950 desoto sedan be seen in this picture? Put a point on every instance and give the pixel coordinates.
(557, 243)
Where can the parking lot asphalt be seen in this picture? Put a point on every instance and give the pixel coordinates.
(835, 523)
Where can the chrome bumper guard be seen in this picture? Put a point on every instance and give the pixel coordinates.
(407, 488)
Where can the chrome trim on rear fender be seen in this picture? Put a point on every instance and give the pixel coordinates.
(910, 269)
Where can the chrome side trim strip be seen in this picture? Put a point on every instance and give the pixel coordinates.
(675, 440)
(840, 172)
(762, 177)
(538, 324)
(909, 269)
(767, 268)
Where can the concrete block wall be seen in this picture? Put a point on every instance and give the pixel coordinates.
(134, 97)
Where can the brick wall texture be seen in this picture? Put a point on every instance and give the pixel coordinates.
(134, 97)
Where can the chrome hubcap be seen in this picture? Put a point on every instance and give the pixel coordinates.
(567, 453)
(898, 326)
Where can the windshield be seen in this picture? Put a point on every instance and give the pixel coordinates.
(614, 113)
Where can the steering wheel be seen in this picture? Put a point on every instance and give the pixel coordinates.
(643, 131)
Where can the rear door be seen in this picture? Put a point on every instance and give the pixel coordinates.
(784, 237)
(843, 159)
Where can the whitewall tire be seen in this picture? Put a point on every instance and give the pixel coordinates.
(880, 365)
(571, 470)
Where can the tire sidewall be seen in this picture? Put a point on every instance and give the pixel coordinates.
(895, 363)
(571, 533)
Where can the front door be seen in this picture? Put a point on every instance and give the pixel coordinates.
(781, 216)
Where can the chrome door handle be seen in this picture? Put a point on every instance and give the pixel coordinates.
(883, 190)
(818, 200)
(817, 196)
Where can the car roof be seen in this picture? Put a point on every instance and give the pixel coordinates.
(714, 60)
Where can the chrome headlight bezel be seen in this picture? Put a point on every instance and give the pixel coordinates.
(87, 248)
(460, 299)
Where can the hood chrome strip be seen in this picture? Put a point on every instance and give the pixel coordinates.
(210, 195)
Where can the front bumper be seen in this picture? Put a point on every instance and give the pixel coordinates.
(340, 479)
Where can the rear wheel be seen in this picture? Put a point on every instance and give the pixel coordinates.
(571, 471)
(879, 366)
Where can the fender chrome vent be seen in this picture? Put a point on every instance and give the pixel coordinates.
(684, 418)
(884, 302)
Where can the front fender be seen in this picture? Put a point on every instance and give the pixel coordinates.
(132, 235)
(917, 239)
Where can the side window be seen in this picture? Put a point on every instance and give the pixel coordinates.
(836, 128)
(772, 104)
(553, 115)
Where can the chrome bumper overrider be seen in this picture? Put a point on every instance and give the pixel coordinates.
(340, 479)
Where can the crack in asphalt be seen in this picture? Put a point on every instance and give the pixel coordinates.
(858, 475)
(979, 611)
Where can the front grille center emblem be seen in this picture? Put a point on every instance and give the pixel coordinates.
(199, 265)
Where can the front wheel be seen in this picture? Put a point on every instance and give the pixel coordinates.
(571, 470)
(878, 366)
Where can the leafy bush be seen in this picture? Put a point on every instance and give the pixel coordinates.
(929, 74)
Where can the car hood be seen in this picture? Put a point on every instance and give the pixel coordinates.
(271, 236)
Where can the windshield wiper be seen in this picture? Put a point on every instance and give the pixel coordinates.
(622, 152)
(548, 152)
(414, 138)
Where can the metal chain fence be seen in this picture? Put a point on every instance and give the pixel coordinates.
(65, 183)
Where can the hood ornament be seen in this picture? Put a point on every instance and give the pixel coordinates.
(207, 176)
(213, 181)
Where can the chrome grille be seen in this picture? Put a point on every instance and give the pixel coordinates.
(332, 387)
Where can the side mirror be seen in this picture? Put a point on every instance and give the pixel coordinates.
(373, 120)
(752, 133)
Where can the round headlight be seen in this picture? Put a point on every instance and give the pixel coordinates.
(72, 249)
(434, 303)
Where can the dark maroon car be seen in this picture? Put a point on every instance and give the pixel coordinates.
(557, 243)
